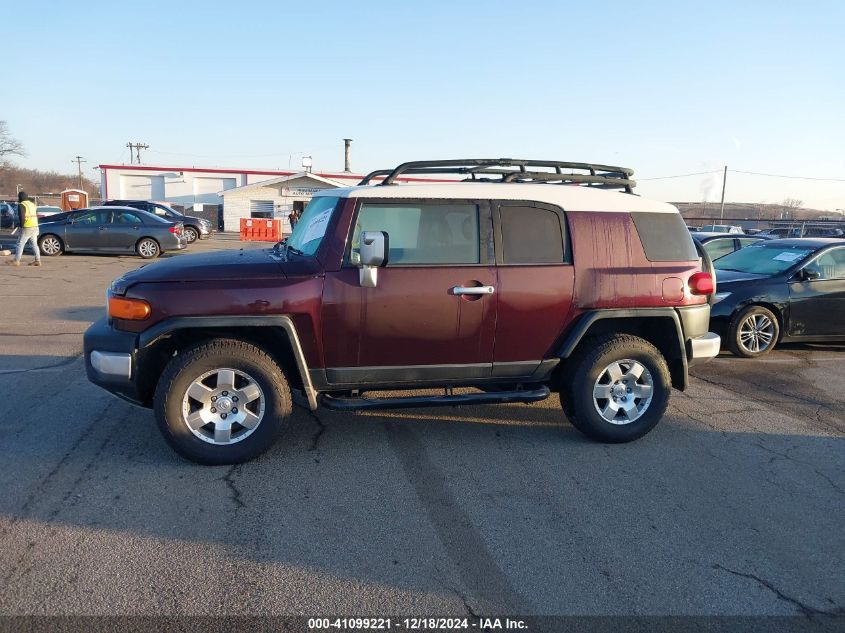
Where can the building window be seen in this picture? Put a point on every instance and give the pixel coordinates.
(261, 208)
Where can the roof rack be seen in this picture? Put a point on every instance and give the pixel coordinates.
(509, 170)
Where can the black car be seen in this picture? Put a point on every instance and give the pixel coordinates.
(720, 244)
(110, 230)
(780, 291)
(195, 228)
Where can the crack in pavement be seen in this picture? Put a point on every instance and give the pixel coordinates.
(235, 495)
(62, 363)
(805, 609)
(321, 427)
(785, 455)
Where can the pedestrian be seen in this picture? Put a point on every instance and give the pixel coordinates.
(28, 224)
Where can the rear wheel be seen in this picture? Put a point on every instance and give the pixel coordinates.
(148, 248)
(754, 332)
(617, 389)
(222, 402)
(50, 245)
(191, 234)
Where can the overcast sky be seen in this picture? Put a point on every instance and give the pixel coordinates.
(666, 88)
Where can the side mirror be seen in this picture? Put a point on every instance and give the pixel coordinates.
(374, 249)
(808, 274)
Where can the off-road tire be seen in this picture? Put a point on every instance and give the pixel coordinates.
(736, 324)
(191, 363)
(192, 234)
(51, 252)
(146, 243)
(582, 372)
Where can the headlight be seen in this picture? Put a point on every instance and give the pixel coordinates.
(720, 295)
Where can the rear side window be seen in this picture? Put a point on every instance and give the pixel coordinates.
(531, 235)
(664, 237)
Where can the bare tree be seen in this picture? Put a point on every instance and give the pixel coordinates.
(788, 207)
(9, 146)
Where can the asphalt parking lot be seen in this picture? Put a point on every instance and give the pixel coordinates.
(733, 505)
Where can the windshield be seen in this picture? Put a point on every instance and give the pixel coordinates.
(311, 227)
(763, 259)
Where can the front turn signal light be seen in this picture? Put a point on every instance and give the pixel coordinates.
(129, 309)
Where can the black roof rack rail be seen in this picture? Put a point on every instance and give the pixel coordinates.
(509, 170)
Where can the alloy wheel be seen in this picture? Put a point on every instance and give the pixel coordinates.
(756, 333)
(223, 406)
(623, 391)
(148, 248)
(51, 245)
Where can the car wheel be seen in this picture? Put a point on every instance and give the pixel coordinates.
(753, 332)
(50, 245)
(617, 389)
(222, 402)
(148, 248)
(191, 234)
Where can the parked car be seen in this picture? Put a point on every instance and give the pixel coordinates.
(195, 228)
(45, 211)
(110, 230)
(803, 231)
(721, 228)
(720, 244)
(780, 291)
(501, 285)
(8, 215)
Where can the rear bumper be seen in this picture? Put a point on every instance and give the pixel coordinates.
(111, 360)
(703, 348)
(701, 344)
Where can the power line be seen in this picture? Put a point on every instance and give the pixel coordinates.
(756, 173)
(697, 173)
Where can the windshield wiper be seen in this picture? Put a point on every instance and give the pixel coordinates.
(293, 249)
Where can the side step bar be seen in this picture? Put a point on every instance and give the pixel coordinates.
(499, 397)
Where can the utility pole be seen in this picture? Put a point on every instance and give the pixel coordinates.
(137, 147)
(722, 208)
(79, 160)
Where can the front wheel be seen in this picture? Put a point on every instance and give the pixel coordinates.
(50, 245)
(222, 402)
(753, 332)
(617, 389)
(191, 234)
(148, 248)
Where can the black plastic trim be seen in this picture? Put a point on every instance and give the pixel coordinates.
(499, 397)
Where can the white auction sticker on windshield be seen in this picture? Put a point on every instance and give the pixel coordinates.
(787, 256)
(317, 228)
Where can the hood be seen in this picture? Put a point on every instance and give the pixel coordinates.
(219, 266)
(728, 276)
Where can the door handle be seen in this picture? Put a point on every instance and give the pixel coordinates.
(473, 290)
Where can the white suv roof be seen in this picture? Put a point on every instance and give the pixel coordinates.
(568, 197)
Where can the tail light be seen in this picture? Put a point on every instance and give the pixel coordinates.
(701, 284)
(129, 309)
(176, 230)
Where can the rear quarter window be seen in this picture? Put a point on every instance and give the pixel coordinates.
(664, 236)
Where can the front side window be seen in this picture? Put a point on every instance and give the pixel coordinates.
(531, 235)
(92, 217)
(421, 233)
(831, 265)
(311, 228)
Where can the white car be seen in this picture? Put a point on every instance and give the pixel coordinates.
(721, 228)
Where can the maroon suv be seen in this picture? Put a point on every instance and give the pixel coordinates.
(517, 278)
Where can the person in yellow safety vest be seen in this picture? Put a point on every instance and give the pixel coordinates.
(28, 222)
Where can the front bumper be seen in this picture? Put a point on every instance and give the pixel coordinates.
(111, 360)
